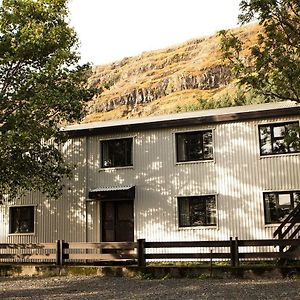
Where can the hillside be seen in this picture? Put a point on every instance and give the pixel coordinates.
(164, 81)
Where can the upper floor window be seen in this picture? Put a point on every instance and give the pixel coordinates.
(279, 138)
(278, 205)
(197, 211)
(116, 153)
(21, 219)
(194, 146)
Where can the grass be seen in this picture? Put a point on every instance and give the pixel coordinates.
(151, 69)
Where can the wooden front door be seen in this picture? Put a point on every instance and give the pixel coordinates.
(117, 221)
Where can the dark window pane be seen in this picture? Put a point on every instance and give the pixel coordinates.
(116, 153)
(22, 219)
(184, 214)
(207, 145)
(194, 146)
(292, 138)
(197, 211)
(279, 146)
(265, 140)
(270, 207)
(296, 196)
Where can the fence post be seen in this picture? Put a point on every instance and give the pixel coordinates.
(58, 253)
(236, 246)
(281, 260)
(141, 253)
(232, 252)
(280, 238)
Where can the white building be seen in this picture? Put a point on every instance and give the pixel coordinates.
(204, 175)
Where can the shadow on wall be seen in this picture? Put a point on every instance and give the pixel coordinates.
(238, 176)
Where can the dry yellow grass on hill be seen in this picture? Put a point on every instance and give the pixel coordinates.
(164, 81)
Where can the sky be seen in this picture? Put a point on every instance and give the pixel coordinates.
(110, 30)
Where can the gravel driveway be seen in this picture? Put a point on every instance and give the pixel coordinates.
(126, 288)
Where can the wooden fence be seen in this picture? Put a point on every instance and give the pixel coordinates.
(44, 252)
(140, 252)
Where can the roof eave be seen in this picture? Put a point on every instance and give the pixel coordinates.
(201, 120)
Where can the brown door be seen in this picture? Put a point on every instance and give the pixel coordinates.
(117, 221)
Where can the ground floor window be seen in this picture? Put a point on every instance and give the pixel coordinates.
(278, 205)
(21, 219)
(197, 211)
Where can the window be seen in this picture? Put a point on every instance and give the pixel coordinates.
(279, 138)
(116, 153)
(194, 146)
(21, 219)
(197, 211)
(278, 205)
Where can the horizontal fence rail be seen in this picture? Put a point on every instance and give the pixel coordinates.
(96, 252)
(198, 244)
(233, 250)
(44, 252)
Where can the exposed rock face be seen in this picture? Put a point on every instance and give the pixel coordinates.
(211, 78)
(175, 74)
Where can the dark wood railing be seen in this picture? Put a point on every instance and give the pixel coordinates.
(140, 252)
(105, 251)
(291, 219)
(234, 251)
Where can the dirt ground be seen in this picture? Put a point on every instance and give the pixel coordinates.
(126, 288)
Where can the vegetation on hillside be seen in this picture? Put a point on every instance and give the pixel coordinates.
(166, 81)
(237, 97)
(194, 75)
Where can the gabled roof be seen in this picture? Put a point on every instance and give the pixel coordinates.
(237, 113)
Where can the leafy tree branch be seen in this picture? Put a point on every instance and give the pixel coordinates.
(41, 86)
(273, 66)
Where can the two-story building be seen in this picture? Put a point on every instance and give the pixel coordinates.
(204, 175)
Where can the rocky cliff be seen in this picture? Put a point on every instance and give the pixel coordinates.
(162, 81)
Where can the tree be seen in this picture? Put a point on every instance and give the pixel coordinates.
(273, 67)
(41, 86)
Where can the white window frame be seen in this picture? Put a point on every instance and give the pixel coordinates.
(213, 160)
(263, 204)
(133, 137)
(200, 227)
(268, 122)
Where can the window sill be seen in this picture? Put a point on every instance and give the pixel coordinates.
(116, 168)
(279, 155)
(194, 162)
(198, 227)
(22, 234)
(278, 224)
(272, 225)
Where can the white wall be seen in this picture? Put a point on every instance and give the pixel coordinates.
(238, 176)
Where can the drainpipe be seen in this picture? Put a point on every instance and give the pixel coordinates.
(86, 185)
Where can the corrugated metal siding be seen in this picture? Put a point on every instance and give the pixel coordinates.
(237, 176)
(64, 218)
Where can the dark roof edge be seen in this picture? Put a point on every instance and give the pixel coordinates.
(201, 120)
